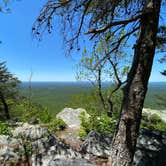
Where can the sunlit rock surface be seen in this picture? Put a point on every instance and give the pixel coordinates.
(43, 147)
(71, 116)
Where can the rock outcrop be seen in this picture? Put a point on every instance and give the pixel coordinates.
(10, 148)
(41, 146)
(150, 149)
(45, 149)
(97, 144)
(71, 116)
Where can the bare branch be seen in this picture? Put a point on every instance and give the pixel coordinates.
(100, 88)
(115, 71)
(116, 45)
(103, 29)
(81, 23)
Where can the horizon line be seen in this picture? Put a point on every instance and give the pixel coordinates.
(86, 81)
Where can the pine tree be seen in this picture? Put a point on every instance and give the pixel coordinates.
(8, 90)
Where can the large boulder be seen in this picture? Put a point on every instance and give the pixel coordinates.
(44, 147)
(96, 144)
(72, 117)
(150, 148)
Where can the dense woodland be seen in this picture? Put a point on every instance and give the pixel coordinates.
(112, 27)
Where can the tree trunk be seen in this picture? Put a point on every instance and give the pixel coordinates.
(124, 141)
(5, 106)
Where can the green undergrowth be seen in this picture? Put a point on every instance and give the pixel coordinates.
(153, 122)
(34, 113)
(107, 125)
(101, 123)
(5, 128)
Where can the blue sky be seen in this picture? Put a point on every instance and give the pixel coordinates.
(46, 59)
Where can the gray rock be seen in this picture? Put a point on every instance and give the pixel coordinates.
(10, 148)
(30, 132)
(150, 148)
(50, 148)
(45, 147)
(70, 162)
(97, 144)
(71, 116)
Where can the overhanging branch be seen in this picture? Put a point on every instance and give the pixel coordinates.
(103, 29)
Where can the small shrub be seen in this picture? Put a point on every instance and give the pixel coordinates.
(101, 123)
(152, 122)
(155, 118)
(4, 128)
(27, 112)
(82, 134)
(91, 101)
(45, 116)
(56, 125)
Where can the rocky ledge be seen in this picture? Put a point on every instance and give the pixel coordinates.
(150, 148)
(36, 145)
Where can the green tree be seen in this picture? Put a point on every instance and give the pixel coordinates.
(95, 17)
(8, 89)
(108, 70)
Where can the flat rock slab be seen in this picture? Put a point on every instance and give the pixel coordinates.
(72, 117)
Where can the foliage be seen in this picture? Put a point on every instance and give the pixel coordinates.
(71, 94)
(5, 128)
(8, 90)
(82, 133)
(99, 66)
(101, 123)
(161, 99)
(56, 125)
(36, 112)
(25, 112)
(54, 96)
(155, 98)
(153, 122)
(91, 101)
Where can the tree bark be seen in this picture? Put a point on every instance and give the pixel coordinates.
(124, 141)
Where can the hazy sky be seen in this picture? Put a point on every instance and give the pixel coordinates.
(46, 59)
